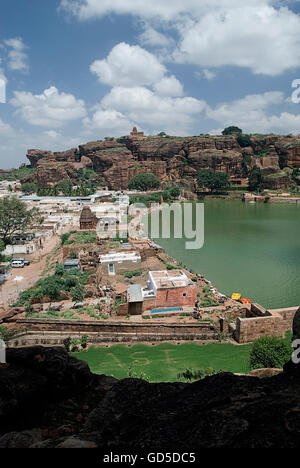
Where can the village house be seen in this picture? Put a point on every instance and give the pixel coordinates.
(118, 262)
(165, 289)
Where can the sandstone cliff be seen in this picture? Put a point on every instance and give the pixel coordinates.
(173, 158)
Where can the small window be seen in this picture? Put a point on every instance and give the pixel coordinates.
(184, 294)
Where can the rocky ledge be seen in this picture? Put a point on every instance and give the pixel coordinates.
(171, 159)
(49, 399)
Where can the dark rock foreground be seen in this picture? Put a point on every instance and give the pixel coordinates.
(49, 399)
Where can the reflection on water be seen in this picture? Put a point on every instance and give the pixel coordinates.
(249, 248)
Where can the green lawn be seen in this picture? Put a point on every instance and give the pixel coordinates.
(161, 363)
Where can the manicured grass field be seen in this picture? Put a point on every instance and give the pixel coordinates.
(161, 363)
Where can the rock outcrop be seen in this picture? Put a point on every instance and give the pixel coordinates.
(174, 158)
(49, 399)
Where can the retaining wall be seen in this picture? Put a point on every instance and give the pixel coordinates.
(276, 322)
(112, 332)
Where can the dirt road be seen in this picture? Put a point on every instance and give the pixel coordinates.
(10, 289)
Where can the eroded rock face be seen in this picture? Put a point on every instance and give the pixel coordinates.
(174, 158)
(49, 172)
(48, 399)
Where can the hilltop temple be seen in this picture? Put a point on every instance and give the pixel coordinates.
(135, 135)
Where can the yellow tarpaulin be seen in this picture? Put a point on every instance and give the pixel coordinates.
(236, 296)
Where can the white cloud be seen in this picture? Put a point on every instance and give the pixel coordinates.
(253, 114)
(17, 58)
(152, 37)
(15, 143)
(146, 108)
(109, 121)
(166, 9)
(49, 109)
(254, 37)
(168, 86)
(207, 74)
(128, 66)
(4, 128)
(257, 34)
(53, 134)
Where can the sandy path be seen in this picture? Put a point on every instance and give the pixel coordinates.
(30, 274)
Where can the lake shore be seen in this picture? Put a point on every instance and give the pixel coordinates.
(249, 257)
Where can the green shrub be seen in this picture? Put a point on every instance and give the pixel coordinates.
(83, 341)
(244, 140)
(77, 293)
(232, 130)
(171, 267)
(70, 282)
(270, 352)
(208, 302)
(131, 274)
(143, 182)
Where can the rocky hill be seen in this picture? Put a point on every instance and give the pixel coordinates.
(171, 159)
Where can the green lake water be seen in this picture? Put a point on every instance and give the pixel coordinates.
(253, 249)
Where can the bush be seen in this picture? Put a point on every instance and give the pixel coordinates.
(232, 130)
(51, 287)
(83, 342)
(70, 282)
(256, 179)
(243, 140)
(208, 302)
(29, 187)
(143, 182)
(212, 180)
(130, 274)
(270, 352)
(67, 344)
(77, 293)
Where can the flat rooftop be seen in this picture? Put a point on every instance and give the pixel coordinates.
(119, 257)
(169, 279)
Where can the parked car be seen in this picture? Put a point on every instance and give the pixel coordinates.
(26, 262)
(17, 264)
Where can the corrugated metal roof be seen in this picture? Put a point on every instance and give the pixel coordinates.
(135, 293)
(72, 262)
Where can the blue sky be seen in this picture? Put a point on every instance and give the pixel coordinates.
(79, 70)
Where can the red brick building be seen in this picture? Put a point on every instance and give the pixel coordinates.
(169, 289)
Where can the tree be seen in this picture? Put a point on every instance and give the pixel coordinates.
(29, 187)
(145, 181)
(232, 130)
(174, 192)
(243, 140)
(215, 181)
(255, 179)
(15, 217)
(6, 334)
(52, 287)
(65, 186)
(269, 352)
(162, 134)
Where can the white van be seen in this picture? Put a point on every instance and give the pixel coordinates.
(17, 264)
